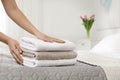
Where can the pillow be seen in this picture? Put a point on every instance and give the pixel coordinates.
(108, 46)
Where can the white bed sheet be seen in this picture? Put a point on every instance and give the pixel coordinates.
(110, 65)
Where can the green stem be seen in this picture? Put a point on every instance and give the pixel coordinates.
(88, 34)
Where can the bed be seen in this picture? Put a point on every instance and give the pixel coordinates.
(110, 65)
(9, 70)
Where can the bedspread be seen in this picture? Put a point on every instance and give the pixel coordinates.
(9, 70)
(80, 71)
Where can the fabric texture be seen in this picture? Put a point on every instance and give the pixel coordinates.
(110, 65)
(49, 55)
(39, 45)
(10, 70)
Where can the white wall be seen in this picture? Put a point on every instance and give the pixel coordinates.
(107, 21)
(2, 21)
(57, 18)
(32, 9)
(60, 18)
(2, 18)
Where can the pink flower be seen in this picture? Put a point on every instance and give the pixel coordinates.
(85, 17)
(81, 17)
(88, 22)
(92, 16)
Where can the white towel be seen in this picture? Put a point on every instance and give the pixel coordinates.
(45, 63)
(39, 45)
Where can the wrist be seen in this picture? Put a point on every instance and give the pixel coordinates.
(9, 40)
(39, 35)
(4, 38)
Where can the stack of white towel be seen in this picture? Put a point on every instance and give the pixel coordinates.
(40, 53)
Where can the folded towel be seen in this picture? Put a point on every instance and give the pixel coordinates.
(7, 59)
(39, 45)
(46, 63)
(49, 55)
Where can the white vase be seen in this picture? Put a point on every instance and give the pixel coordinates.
(84, 44)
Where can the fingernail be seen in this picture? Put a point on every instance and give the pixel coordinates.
(21, 63)
(21, 52)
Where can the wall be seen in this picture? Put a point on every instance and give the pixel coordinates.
(60, 18)
(32, 10)
(2, 18)
(2, 21)
(107, 19)
(57, 18)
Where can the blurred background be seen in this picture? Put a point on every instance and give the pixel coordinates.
(61, 19)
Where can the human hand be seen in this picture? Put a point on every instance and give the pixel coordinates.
(49, 39)
(15, 50)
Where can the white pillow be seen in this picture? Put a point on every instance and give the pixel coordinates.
(109, 46)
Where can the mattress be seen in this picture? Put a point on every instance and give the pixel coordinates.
(10, 70)
(110, 65)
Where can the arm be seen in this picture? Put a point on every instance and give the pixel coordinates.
(13, 46)
(18, 17)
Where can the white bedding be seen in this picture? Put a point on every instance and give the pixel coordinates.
(110, 65)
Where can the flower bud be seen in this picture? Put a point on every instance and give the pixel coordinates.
(85, 17)
(81, 17)
(92, 16)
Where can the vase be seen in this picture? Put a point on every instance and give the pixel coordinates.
(88, 34)
(84, 44)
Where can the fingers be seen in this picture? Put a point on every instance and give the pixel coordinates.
(59, 41)
(19, 49)
(15, 50)
(15, 53)
(54, 40)
(50, 39)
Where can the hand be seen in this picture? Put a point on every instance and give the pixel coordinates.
(15, 50)
(49, 39)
